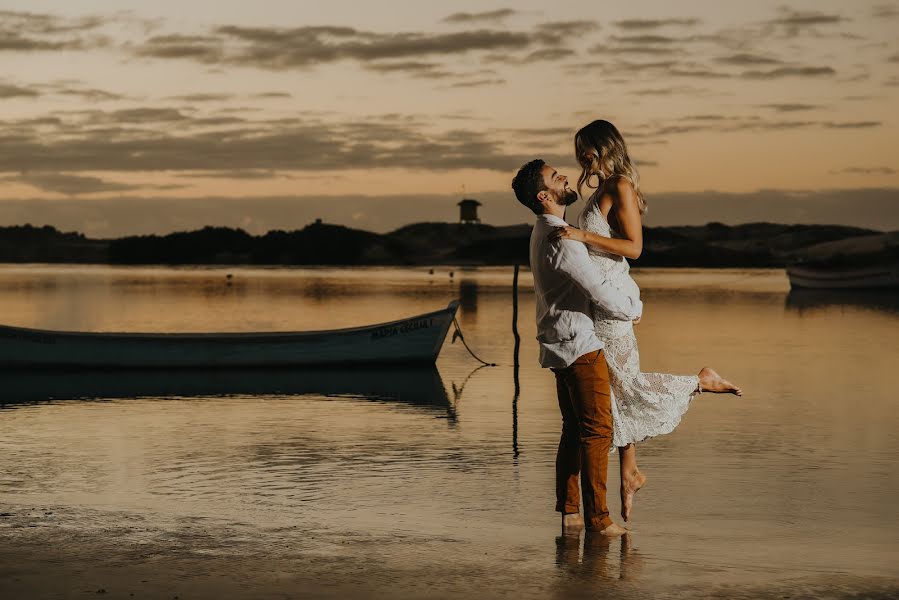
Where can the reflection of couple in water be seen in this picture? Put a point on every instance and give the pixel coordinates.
(587, 305)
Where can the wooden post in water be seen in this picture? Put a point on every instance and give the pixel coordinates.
(515, 321)
(515, 451)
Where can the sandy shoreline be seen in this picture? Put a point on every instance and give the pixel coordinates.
(55, 552)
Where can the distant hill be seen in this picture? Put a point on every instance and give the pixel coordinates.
(711, 245)
(719, 245)
(45, 244)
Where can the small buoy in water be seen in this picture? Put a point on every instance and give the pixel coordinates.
(229, 276)
(451, 274)
(430, 271)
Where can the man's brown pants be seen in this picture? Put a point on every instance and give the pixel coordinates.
(585, 402)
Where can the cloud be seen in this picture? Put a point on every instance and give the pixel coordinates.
(488, 16)
(644, 39)
(30, 32)
(649, 44)
(246, 174)
(865, 171)
(783, 72)
(16, 91)
(426, 70)
(66, 87)
(894, 58)
(163, 139)
(45, 24)
(71, 185)
(660, 68)
(144, 139)
(141, 115)
(203, 97)
(477, 83)
(640, 24)
(413, 53)
(275, 49)
(885, 11)
(273, 95)
(851, 124)
(625, 66)
(603, 49)
(720, 124)
(794, 19)
(92, 94)
(795, 107)
(698, 73)
(548, 54)
(744, 59)
(558, 31)
(203, 48)
(670, 90)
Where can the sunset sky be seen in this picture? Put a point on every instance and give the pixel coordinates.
(124, 117)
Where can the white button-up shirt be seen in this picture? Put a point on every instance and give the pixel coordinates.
(566, 284)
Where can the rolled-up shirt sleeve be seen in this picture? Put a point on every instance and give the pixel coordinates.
(572, 259)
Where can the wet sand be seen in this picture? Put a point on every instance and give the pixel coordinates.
(52, 552)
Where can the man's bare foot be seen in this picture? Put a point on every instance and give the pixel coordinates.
(630, 485)
(614, 530)
(710, 381)
(572, 523)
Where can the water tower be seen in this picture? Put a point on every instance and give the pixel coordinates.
(468, 211)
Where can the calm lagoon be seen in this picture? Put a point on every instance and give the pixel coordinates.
(440, 483)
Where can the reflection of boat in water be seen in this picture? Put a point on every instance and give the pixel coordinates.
(416, 340)
(865, 262)
(417, 386)
(883, 299)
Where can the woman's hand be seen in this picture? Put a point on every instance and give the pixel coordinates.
(567, 233)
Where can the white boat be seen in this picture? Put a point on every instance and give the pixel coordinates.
(884, 276)
(413, 341)
(863, 262)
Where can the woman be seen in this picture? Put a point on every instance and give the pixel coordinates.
(643, 404)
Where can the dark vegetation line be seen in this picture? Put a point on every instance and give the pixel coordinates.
(711, 245)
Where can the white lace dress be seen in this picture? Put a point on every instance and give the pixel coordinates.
(643, 404)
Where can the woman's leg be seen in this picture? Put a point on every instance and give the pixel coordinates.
(631, 478)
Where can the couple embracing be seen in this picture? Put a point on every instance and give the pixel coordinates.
(587, 304)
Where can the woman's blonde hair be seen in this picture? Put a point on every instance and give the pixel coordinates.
(602, 153)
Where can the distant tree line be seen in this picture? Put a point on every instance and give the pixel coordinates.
(711, 245)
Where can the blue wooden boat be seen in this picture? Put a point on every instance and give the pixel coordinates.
(412, 341)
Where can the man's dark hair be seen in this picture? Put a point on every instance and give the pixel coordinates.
(528, 183)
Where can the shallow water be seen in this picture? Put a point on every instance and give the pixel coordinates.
(442, 484)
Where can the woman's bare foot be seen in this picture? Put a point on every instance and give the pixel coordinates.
(710, 381)
(630, 485)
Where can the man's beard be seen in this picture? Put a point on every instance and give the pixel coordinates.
(568, 198)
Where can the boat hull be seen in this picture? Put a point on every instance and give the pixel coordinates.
(886, 276)
(412, 341)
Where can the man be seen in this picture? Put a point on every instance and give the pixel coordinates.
(566, 285)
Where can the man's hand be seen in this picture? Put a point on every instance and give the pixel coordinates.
(567, 233)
